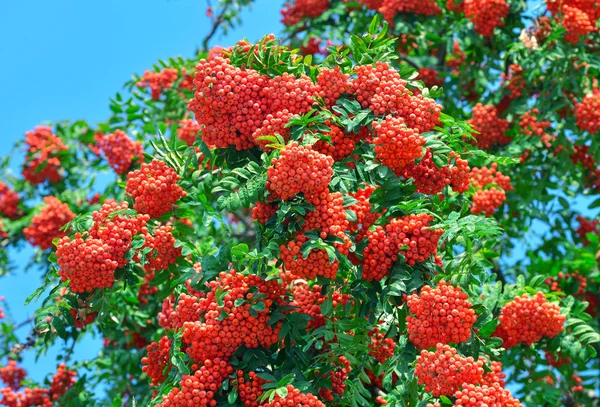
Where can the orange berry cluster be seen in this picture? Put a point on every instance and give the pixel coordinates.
(295, 10)
(491, 128)
(164, 253)
(397, 145)
(46, 225)
(514, 81)
(309, 300)
(586, 226)
(488, 200)
(12, 375)
(530, 126)
(332, 84)
(430, 77)
(273, 124)
(556, 361)
(495, 376)
(250, 390)
(157, 363)
(528, 319)
(559, 282)
(90, 263)
(315, 264)
(587, 113)
(29, 397)
(299, 169)
(187, 131)
(381, 348)
(329, 217)
(229, 103)
(431, 180)
(577, 23)
(364, 216)
(312, 47)
(62, 381)
(486, 15)
(199, 389)
(338, 380)
(390, 8)
(42, 150)
(444, 371)
(441, 315)
(472, 395)
(291, 93)
(409, 235)
(120, 150)
(263, 211)
(295, 398)
(9, 201)
(157, 81)
(154, 188)
(340, 146)
(225, 328)
(187, 309)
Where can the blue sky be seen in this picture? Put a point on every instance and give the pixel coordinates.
(64, 59)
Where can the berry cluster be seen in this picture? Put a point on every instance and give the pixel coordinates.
(577, 23)
(397, 145)
(362, 209)
(430, 77)
(486, 15)
(587, 113)
(338, 379)
(514, 81)
(90, 263)
(444, 371)
(42, 162)
(273, 124)
(154, 188)
(45, 226)
(472, 395)
(309, 300)
(163, 251)
(563, 281)
(158, 361)
(491, 128)
(430, 179)
(340, 146)
(294, 398)
(226, 325)
(29, 397)
(295, 10)
(586, 226)
(188, 130)
(12, 375)
(157, 81)
(332, 84)
(390, 8)
(531, 126)
(299, 169)
(62, 381)
(491, 186)
(199, 389)
(315, 264)
(120, 150)
(409, 235)
(263, 211)
(441, 315)
(187, 309)
(381, 348)
(9, 201)
(250, 390)
(528, 319)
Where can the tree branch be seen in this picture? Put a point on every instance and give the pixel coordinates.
(409, 61)
(216, 23)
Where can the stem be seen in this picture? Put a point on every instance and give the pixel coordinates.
(216, 23)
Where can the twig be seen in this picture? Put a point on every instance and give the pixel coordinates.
(409, 61)
(216, 23)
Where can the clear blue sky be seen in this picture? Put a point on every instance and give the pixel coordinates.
(63, 60)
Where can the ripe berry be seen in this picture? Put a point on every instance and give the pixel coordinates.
(46, 225)
(42, 162)
(120, 150)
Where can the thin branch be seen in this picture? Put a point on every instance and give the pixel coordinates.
(409, 61)
(216, 23)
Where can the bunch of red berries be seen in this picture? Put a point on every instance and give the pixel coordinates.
(340, 146)
(187, 131)
(586, 226)
(299, 169)
(531, 126)
(472, 395)
(294, 11)
(9, 201)
(332, 84)
(309, 300)
(430, 179)
(273, 124)
(317, 262)
(199, 389)
(430, 77)
(250, 390)
(294, 398)
(42, 162)
(397, 145)
(45, 226)
(587, 113)
(390, 8)
(239, 318)
(163, 253)
(441, 315)
(514, 81)
(290, 93)
(120, 150)
(62, 381)
(491, 128)
(362, 209)
(486, 15)
(577, 23)
(381, 348)
(157, 363)
(263, 211)
(12, 375)
(444, 371)
(563, 281)
(338, 379)
(187, 309)
(154, 188)
(491, 186)
(528, 319)
(158, 81)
